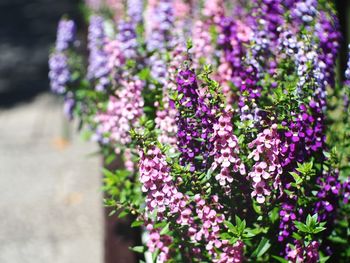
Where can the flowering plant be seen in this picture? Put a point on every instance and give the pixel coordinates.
(229, 162)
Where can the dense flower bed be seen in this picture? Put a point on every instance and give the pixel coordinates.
(233, 127)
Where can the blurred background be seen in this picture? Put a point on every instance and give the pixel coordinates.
(50, 198)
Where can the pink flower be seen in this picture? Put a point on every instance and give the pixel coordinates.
(202, 47)
(226, 150)
(266, 171)
(214, 10)
(123, 113)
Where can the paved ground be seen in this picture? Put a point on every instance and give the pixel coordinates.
(50, 202)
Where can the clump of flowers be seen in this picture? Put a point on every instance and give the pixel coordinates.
(242, 160)
(60, 68)
(124, 109)
(226, 150)
(59, 73)
(267, 169)
(97, 71)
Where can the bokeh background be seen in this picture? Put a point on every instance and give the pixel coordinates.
(50, 197)
(50, 184)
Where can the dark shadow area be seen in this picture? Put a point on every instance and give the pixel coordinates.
(27, 32)
(343, 8)
(119, 235)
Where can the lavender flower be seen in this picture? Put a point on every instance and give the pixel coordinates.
(65, 34)
(345, 188)
(59, 73)
(305, 11)
(134, 11)
(160, 36)
(98, 70)
(127, 39)
(327, 30)
(69, 104)
(160, 39)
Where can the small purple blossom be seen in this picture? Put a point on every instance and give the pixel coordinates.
(305, 11)
(69, 104)
(134, 11)
(98, 70)
(127, 39)
(195, 119)
(59, 73)
(66, 34)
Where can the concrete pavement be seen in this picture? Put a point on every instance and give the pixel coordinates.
(50, 199)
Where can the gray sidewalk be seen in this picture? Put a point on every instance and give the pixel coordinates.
(50, 199)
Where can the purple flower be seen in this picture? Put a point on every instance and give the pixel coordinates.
(305, 11)
(347, 71)
(134, 11)
(59, 73)
(300, 253)
(160, 37)
(195, 121)
(327, 30)
(328, 196)
(66, 34)
(127, 39)
(69, 104)
(98, 70)
(345, 187)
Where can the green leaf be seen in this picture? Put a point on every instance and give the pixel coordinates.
(155, 255)
(122, 214)
(189, 44)
(233, 240)
(327, 154)
(138, 249)
(318, 229)
(107, 173)
(338, 240)
(314, 219)
(274, 214)
(165, 230)
(112, 212)
(240, 225)
(144, 74)
(137, 223)
(296, 177)
(296, 236)
(225, 236)
(280, 259)
(309, 220)
(263, 246)
(301, 227)
(230, 226)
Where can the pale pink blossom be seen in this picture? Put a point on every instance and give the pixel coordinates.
(266, 171)
(226, 150)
